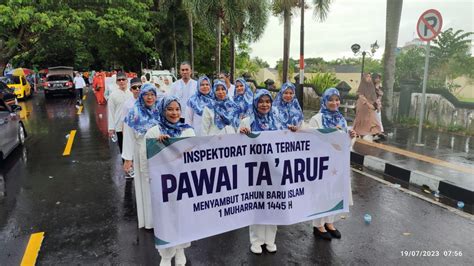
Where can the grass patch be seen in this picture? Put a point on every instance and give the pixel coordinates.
(468, 100)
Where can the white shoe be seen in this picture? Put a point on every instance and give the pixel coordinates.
(165, 262)
(256, 249)
(272, 248)
(180, 258)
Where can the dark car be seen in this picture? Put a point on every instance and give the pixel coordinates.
(12, 130)
(6, 93)
(59, 80)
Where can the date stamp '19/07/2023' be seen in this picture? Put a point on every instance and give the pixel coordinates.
(431, 253)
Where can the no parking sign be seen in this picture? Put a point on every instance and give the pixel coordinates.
(429, 25)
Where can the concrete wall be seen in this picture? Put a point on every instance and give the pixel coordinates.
(439, 111)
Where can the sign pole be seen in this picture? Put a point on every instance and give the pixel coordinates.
(423, 94)
(428, 27)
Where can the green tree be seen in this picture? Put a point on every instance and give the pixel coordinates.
(409, 66)
(314, 65)
(284, 9)
(247, 25)
(243, 62)
(451, 55)
(290, 69)
(261, 63)
(21, 24)
(244, 20)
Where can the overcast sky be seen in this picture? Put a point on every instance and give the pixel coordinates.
(356, 21)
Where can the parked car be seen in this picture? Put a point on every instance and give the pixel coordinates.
(22, 88)
(12, 129)
(59, 80)
(6, 93)
(149, 74)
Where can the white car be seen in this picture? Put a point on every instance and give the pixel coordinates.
(160, 74)
(12, 130)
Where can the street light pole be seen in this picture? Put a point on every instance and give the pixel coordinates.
(356, 48)
(363, 62)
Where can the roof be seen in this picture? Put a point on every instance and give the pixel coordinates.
(347, 69)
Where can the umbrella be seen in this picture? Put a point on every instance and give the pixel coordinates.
(20, 72)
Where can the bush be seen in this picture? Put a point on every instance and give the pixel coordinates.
(322, 81)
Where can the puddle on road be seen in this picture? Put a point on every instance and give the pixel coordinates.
(468, 208)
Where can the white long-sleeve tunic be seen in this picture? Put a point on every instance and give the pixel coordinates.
(134, 148)
(209, 128)
(115, 113)
(194, 120)
(183, 91)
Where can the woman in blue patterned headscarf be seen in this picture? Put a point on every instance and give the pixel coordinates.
(261, 119)
(202, 98)
(171, 127)
(138, 122)
(243, 97)
(264, 115)
(289, 110)
(329, 117)
(170, 112)
(223, 117)
(144, 113)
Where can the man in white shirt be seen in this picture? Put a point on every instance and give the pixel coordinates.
(185, 87)
(135, 85)
(115, 105)
(79, 85)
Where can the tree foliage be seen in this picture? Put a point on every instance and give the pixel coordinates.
(449, 58)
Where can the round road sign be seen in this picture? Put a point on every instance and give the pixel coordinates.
(429, 25)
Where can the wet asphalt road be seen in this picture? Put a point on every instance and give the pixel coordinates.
(86, 209)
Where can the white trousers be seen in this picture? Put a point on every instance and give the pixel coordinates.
(379, 118)
(369, 138)
(168, 253)
(143, 198)
(321, 221)
(262, 234)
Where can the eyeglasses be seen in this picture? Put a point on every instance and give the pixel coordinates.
(135, 88)
(121, 79)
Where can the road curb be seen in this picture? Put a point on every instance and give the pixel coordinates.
(416, 177)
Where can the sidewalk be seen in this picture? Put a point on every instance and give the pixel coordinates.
(445, 163)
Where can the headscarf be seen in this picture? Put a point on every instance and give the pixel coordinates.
(226, 112)
(198, 101)
(141, 118)
(367, 89)
(290, 113)
(166, 127)
(264, 122)
(331, 119)
(244, 101)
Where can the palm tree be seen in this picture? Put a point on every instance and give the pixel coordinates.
(241, 19)
(249, 23)
(284, 9)
(212, 12)
(190, 11)
(392, 26)
(450, 54)
(321, 9)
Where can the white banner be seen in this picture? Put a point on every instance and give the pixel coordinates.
(204, 186)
